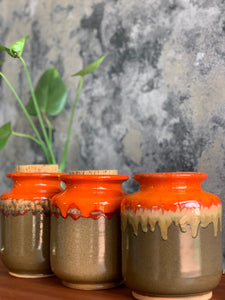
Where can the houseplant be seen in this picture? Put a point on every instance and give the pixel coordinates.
(48, 99)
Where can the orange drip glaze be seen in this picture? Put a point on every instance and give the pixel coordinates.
(33, 186)
(90, 193)
(166, 198)
(169, 191)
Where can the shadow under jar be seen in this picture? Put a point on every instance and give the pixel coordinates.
(86, 231)
(171, 236)
(25, 221)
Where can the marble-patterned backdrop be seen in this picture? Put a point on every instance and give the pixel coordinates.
(156, 104)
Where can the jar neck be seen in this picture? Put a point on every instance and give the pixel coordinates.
(101, 182)
(90, 193)
(170, 181)
(33, 186)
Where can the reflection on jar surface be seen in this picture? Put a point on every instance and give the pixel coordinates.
(25, 243)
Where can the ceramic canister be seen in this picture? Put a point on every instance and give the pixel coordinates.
(86, 230)
(25, 220)
(171, 237)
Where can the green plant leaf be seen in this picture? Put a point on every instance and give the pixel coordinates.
(51, 94)
(16, 49)
(5, 133)
(90, 68)
(3, 48)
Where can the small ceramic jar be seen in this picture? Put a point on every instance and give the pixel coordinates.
(171, 238)
(25, 220)
(85, 230)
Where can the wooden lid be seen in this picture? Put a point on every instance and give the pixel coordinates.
(94, 172)
(37, 168)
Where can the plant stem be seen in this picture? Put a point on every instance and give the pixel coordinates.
(26, 136)
(38, 112)
(49, 128)
(33, 139)
(63, 162)
(41, 143)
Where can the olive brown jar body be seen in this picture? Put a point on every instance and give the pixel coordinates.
(171, 232)
(85, 231)
(25, 223)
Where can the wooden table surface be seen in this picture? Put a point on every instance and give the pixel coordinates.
(50, 288)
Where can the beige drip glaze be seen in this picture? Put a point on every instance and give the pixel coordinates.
(13, 205)
(194, 217)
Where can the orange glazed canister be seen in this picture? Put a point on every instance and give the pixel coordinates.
(171, 232)
(86, 230)
(25, 220)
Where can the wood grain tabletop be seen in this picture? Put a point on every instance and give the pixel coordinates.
(50, 288)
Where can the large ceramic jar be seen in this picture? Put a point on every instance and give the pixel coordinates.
(25, 220)
(85, 230)
(171, 237)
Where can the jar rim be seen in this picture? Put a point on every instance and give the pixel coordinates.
(35, 174)
(95, 177)
(171, 175)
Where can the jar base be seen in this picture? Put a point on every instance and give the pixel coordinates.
(89, 287)
(205, 296)
(31, 275)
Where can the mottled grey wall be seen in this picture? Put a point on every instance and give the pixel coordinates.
(157, 103)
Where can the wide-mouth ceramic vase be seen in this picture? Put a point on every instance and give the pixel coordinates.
(171, 232)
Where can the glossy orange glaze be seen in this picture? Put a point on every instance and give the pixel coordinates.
(90, 193)
(169, 191)
(33, 186)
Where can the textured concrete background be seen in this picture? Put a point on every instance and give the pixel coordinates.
(156, 104)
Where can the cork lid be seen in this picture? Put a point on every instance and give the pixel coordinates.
(94, 172)
(37, 168)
